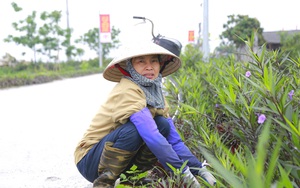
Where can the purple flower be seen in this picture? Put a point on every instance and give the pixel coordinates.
(291, 93)
(248, 74)
(217, 105)
(261, 119)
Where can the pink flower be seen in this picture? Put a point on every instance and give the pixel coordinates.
(261, 119)
(248, 74)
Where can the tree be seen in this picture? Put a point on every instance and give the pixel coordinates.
(224, 50)
(291, 44)
(29, 26)
(50, 34)
(71, 50)
(54, 37)
(240, 28)
(47, 39)
(91, 38)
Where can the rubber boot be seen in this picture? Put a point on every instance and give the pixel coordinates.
(113, 162)
(144, 160)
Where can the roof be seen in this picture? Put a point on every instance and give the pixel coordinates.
(274, 36)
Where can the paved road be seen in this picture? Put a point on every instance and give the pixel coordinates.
(40, 126)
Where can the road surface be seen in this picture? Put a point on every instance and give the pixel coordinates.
(40, 126)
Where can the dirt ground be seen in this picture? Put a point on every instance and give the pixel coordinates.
(40, 126)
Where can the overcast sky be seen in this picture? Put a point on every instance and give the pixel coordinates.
(171, 18)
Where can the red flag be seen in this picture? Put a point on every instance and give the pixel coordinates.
(105, 34)
(191, 36)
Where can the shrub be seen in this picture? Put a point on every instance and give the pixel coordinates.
(37, 73)
(224, 107)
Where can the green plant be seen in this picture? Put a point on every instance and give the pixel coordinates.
(225, 105)
(37, 73)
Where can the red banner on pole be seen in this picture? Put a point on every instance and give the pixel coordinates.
(105, 34)
(191, 36)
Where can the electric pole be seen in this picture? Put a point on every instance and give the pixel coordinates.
(68, 27)
(205, 31)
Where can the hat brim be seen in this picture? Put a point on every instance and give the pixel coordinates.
(112, 73)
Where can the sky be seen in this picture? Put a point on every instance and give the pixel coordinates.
(171, 18)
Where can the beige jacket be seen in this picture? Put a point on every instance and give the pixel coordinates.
(125, 99)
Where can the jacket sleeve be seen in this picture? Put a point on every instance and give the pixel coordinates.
(181, 149)
(156, 142)
(126, 99)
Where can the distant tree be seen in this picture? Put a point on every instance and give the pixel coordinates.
(239, 28)
(91, 38)
(27, 26)
(191, 54)
(47, 39)
(224, 50)
(291, 44)
(53, 37)
(50, 34)
(71, 50)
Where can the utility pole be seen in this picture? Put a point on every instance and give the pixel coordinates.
(100, 49)
(68, 26)
(100, 45)
(205, 31)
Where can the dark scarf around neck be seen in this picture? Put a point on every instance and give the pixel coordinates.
(151, 88)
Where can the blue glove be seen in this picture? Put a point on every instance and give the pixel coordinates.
(184, 153)
(156, 142)
(181, 149)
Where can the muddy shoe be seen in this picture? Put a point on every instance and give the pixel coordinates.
(105, 180)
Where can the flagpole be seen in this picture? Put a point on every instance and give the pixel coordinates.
(100, 46)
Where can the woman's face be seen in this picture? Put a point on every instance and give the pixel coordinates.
(148, 66)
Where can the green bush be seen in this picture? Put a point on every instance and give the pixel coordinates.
(242, 116)
(37, 73)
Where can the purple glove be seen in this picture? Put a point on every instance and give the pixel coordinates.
(185, 154)
(156, 142)
(181, 149)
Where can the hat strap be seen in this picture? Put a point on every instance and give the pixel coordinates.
(123, 71)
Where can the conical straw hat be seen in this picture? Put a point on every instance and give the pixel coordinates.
(112, 73)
